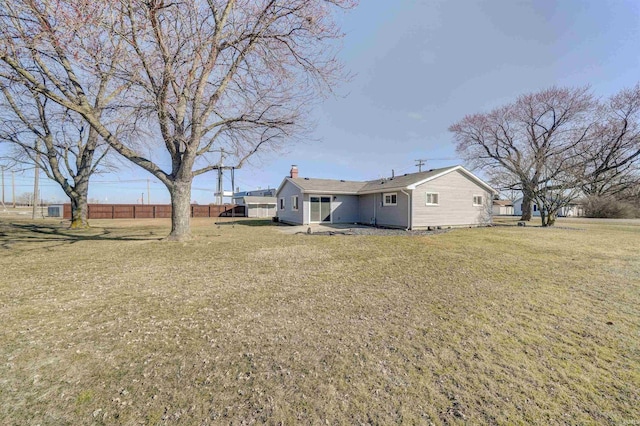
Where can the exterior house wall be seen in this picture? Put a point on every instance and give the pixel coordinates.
(455, 202)
(344, 209)
(372, 212)
(517, 208)
(366, 209)
(288, 214)
(574, 210)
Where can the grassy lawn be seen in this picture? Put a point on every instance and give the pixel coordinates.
(502, 325)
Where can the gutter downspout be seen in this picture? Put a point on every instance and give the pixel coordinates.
(408, 209)
(375, 219)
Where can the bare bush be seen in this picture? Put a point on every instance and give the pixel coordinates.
(611, 208)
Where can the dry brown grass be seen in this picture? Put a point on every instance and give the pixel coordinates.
(246, 324)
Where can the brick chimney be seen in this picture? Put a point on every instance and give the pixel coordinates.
(294, 171)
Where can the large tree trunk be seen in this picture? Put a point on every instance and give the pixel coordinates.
(79, 210)
(180, 193)
(526, 205)
(549, 218)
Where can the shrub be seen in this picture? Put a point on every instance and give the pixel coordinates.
(609, 207)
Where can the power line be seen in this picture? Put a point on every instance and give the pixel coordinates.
(423, 161)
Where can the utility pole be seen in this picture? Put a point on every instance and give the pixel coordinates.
(36, 183)
(219, 186)
(233, 181)
(13, 188)
(148, 192)
(219, 189)
(420, 163)
(2, 185)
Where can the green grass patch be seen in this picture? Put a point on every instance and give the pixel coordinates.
(497, 325)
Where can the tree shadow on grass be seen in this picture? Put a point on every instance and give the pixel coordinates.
(52, 235)
(249, 222)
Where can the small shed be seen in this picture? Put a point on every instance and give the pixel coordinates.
(259, 206)
(502, 208)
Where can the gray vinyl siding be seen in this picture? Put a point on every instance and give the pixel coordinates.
(288, 214)
(372, 212)
(455, 202)
(344, 209)
(517, 208)
(367, 211)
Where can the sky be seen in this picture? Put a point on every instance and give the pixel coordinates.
(419, 66)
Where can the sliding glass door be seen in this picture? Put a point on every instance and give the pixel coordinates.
(320, 209)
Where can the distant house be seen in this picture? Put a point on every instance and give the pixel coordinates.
(502, 208)
(573, 209)
(258, 203)
(450, 196)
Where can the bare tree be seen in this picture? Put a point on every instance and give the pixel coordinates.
(58, 141)
(212, 76)
(610, 160)
(531, 144)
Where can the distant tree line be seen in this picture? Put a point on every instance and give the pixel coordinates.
(558, 145)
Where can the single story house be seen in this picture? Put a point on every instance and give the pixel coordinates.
(450, 196)
(502, 208)
(573, 209)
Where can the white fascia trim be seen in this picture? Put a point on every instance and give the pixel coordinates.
(382, 190)
(285, 180)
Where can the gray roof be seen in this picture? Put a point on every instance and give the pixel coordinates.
(333, 186)
(406, 181)
(400, 182)
(252, 199)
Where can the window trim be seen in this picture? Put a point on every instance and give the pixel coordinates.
(391, 194)
(294, 204)
(282, 203)
(426, 198)
(481, 200)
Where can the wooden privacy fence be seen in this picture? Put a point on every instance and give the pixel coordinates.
(151, 211)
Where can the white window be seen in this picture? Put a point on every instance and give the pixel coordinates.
(432, 199)
(294, 203)
(281, 203)
(477, 200)
(390, 199)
